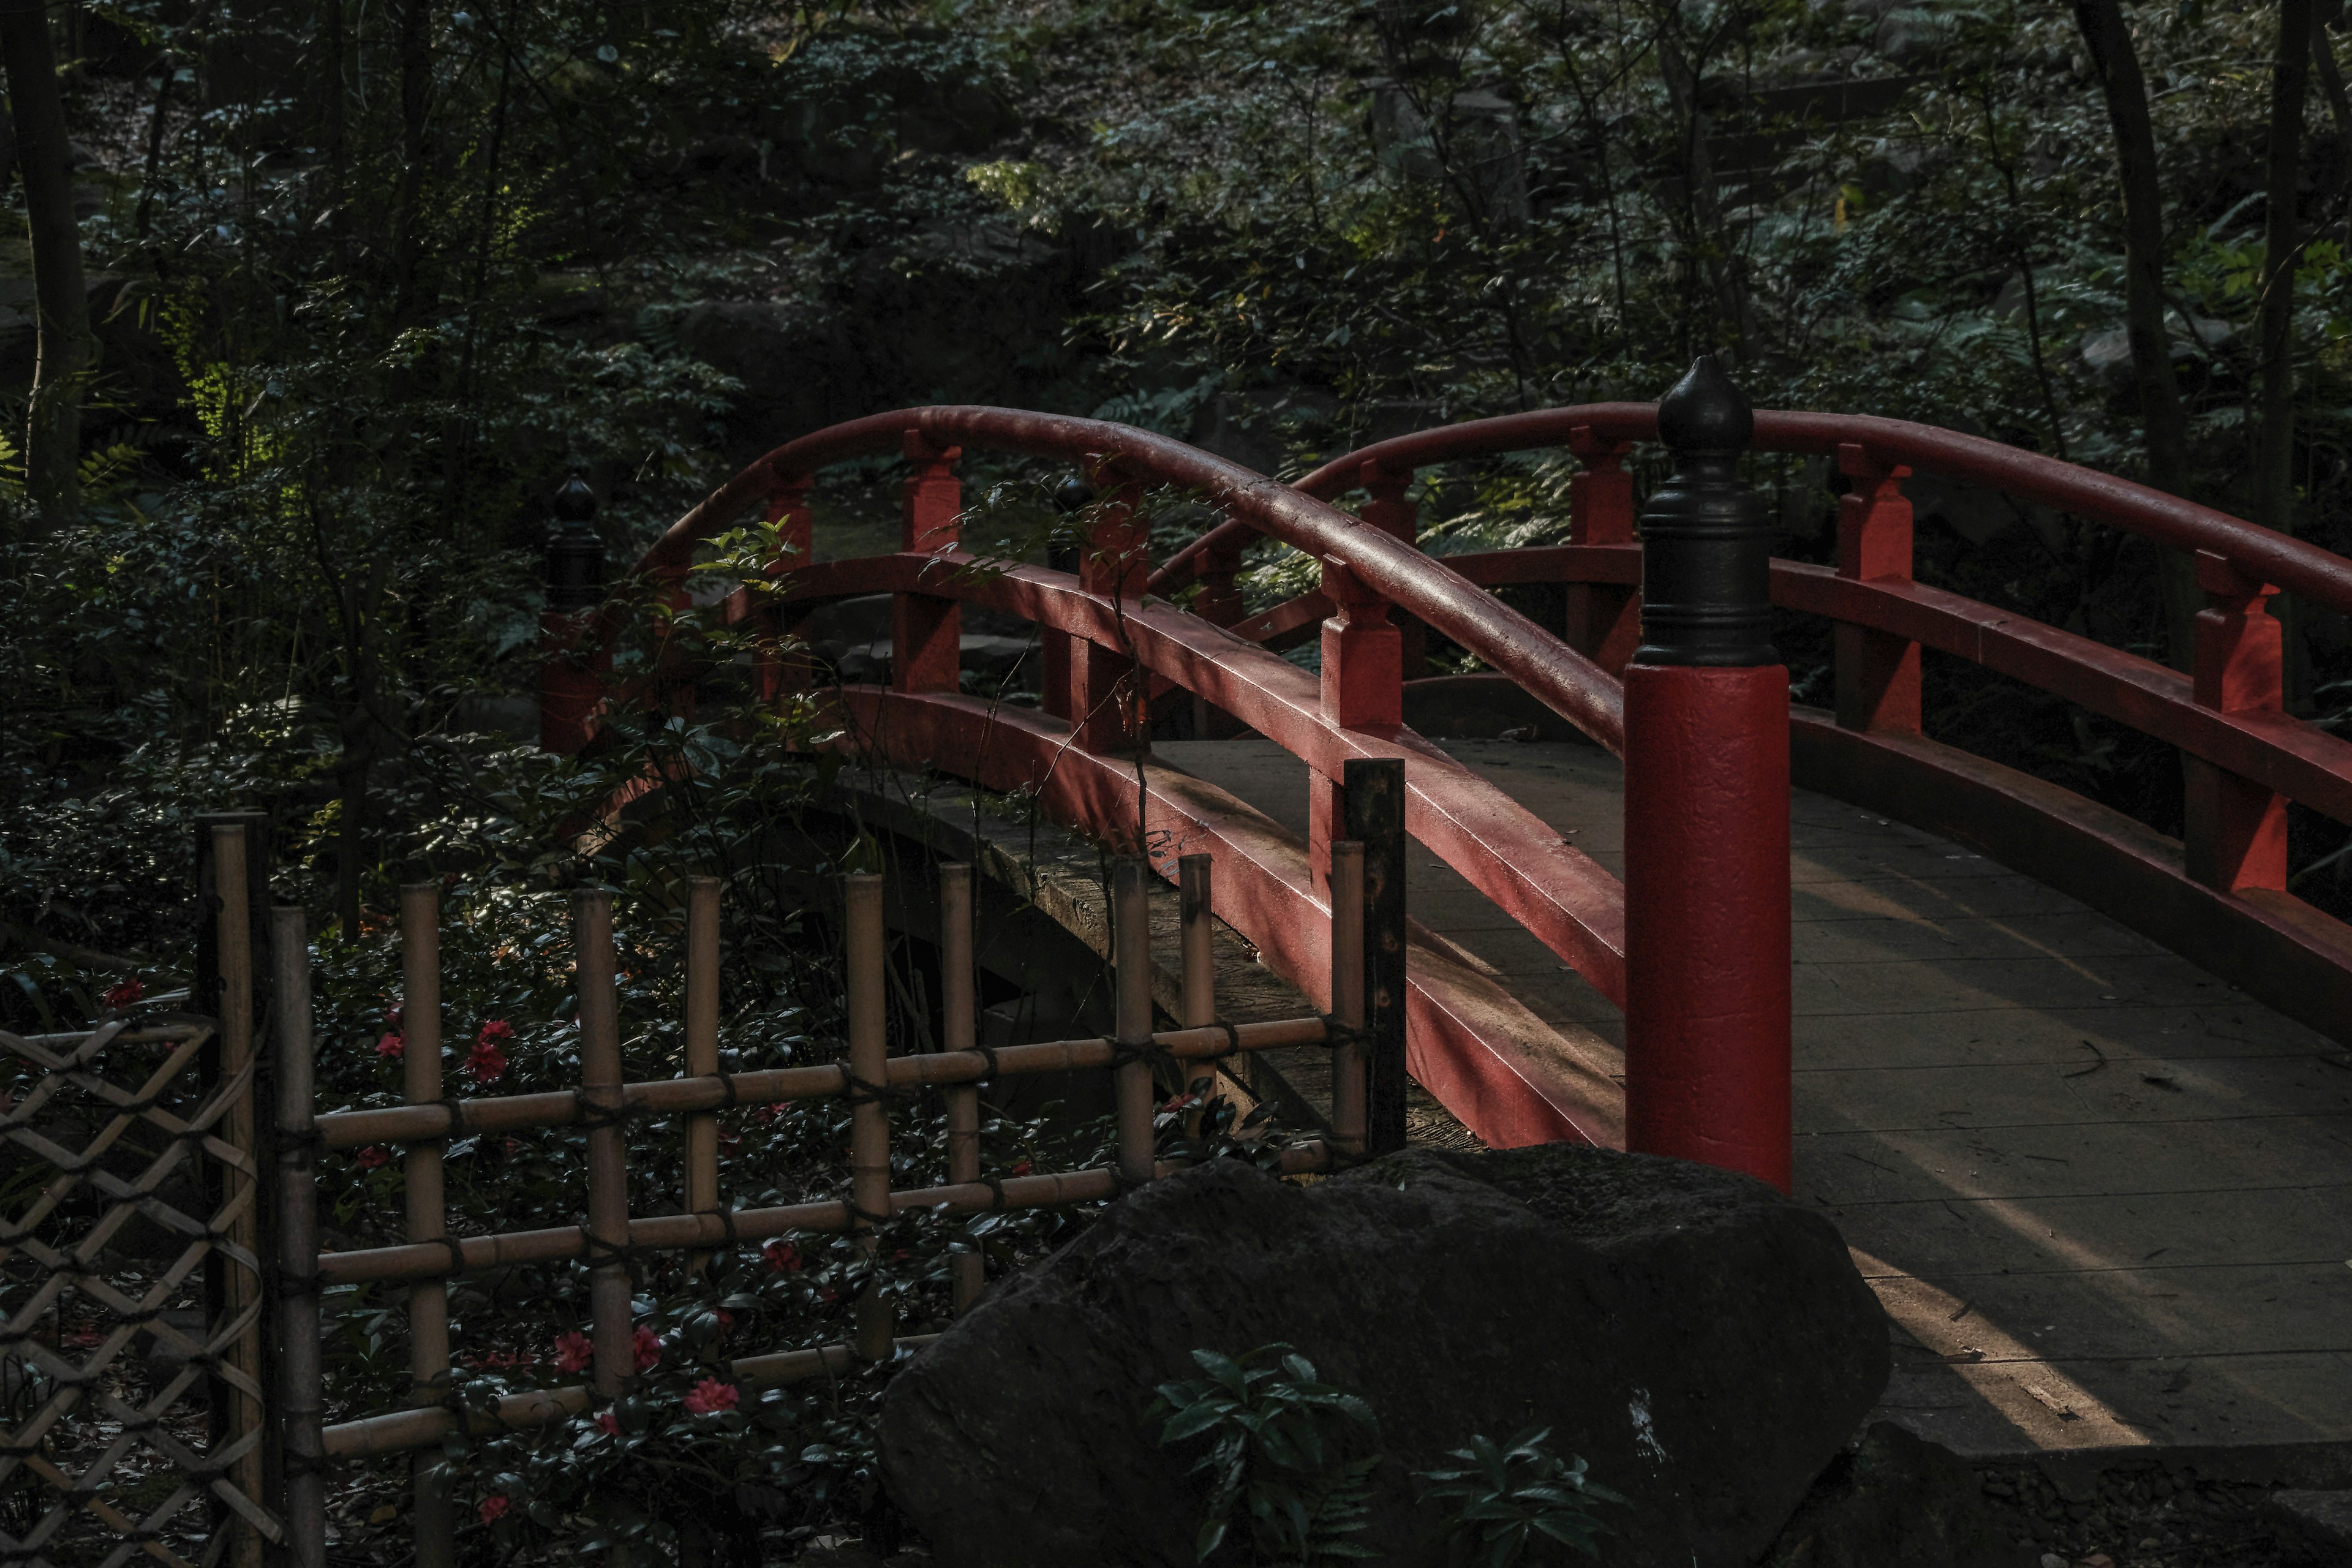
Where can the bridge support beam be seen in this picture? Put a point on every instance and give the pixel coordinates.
(1707, 810)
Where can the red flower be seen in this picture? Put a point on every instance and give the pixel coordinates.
(782, 1255)
(391, 1045)
(574, 1351)
(393, 1016)
(485, 1063)
(494, 1031)
(711, 1395)
(608, 1424)
(726, 1320)
(648, 1344)
(494, 1509)
(1024, 1168)
(124, 994)
(371, 1156)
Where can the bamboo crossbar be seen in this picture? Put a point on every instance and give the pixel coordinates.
(405, 1429)
(668, 1233)
(559, 1108)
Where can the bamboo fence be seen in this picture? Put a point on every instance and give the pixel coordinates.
(869, 1079)
(105, 1456)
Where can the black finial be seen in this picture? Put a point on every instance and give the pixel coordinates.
(575, 550)
(1704, 412)
(1073, 494)
(1706, 538)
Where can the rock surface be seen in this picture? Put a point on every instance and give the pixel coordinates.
(1897, 1498)
(1706, 1345)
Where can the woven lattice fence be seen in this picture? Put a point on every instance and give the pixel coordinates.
(131, 1298)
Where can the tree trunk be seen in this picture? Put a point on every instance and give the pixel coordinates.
(62, 347)
(2282, 245)
(2282, 251)
(2109, 39)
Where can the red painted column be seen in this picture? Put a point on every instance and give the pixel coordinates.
(2236, 835)
(1707, 810)
(1219, 602)
(1877, 674)
(1601, 621)
(926, 631)
(1111, 706)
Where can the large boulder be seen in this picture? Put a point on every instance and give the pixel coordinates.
(1707, 1345)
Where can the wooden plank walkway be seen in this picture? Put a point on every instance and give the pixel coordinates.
(2106, 1198)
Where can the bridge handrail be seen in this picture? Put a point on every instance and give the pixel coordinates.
(1557, 676)
(2260, 553)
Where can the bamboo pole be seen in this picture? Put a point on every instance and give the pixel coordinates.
(450, 1118)
(870, 1117)
(378, 1435)
(240, 1283)
(678, 1232)
(428, 1299)
(301, 1393)
(608, 1236)
(959, 1033)
(1197, 927)
(701, 1048)
(1131, 945)
(1350, 1099)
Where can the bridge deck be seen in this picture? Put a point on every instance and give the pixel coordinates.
(2106, 1198)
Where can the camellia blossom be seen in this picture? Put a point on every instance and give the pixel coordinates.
(495, 1509)
(371, 1156)
(608, 1424)
(391, 1045)
(574, 1351)
(782, 1256)
(485, 1063)
(495, 1032)
(711, 1396)
(1024, 1168)
(393, 1016)
(124, 994)
(648, 1344)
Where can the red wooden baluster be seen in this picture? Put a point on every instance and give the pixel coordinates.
(1112, 712)
(1389, 510)
(1363, 688)
(2235, 834)
(777, 673)
(1877, 674)
(1219, 602)
(1601, 620)
(927, 631)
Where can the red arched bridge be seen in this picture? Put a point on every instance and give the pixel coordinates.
(1662, 658)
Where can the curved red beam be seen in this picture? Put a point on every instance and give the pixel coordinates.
(1565, 899)
(2258, 553)
(1557, 676)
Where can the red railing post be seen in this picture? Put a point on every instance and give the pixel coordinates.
(1363, 688)
(570, 687)
(1219, 602)
(2235, 832)
(787, 510)
(1877, 674)
(1600, 621)
(1707, 809)
(927, 631)
(1112, 703)
(1390, 511)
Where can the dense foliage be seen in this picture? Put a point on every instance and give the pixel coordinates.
(368, 283)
